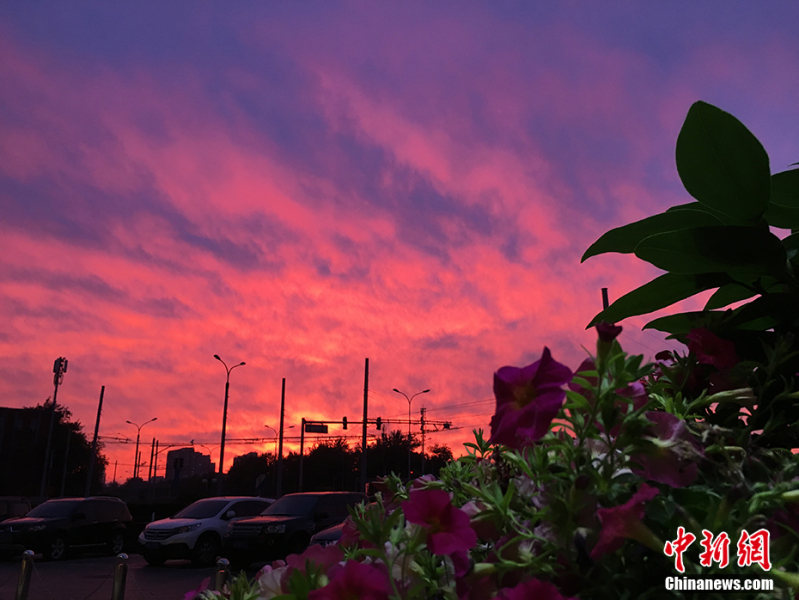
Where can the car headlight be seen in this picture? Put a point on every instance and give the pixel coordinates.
(37, 527)
(277, 528)
(186, 528)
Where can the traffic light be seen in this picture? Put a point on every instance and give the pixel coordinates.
(344, 422)
(378, 422)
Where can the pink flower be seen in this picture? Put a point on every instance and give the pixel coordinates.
(673, 460)
(608, 332)
(354, 581)
(527, 400)
(322, 557)
(710, 349)
(624, 522)
(449, 532)
(532, 588)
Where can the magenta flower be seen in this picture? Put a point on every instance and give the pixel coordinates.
(710, 349)
(321, 557)
(672, 460)
(527, 400)
(354, 581)
(449, 532)
(608, 332)
(532, 588)
(624, 522)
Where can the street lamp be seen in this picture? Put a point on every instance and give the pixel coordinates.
(224, 414)
(138, 435)
(410, 399)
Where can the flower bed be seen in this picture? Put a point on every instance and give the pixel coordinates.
(619, 479)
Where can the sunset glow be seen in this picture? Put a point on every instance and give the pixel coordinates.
(302, 186)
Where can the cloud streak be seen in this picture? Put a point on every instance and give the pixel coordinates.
(305, 186)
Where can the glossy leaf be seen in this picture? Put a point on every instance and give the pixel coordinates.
(729, 294)
(658, 293)
(624, 239)
(722, 164)
(738, 251)
(783, 208)
(682, 323)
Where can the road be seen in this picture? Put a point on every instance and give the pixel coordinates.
(91, 578)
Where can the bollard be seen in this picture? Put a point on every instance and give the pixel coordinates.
(120, 575)
(24, 584)
(222, 567)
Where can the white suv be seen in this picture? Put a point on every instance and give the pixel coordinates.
(196, 531)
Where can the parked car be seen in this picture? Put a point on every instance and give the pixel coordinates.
(13, 506)
(58, 526)
(196, 531)
(286, 527)
(329, 536)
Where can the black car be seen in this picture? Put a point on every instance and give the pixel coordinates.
(286, 527)
(57, 526)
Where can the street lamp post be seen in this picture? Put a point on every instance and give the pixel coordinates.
(138, 435)
(410, 399)
(224, 415)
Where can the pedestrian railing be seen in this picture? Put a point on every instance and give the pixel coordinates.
(221, 575)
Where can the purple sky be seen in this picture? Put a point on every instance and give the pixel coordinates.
(304, 185)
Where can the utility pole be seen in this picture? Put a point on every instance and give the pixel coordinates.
(422, 426)
(155, 461)
(279, 490)
(365, 417)
(150, 466)
(302, 453)
(66, 462)
(59, 368)
(93, 455)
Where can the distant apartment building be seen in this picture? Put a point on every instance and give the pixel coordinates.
(185, 463)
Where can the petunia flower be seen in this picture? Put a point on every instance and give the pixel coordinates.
(672, 454)
(710, 349)
(528, 398)
(532, 588)
(608, 332)
(321, 557)
(449, 532)
(355, 581)
(625, 522)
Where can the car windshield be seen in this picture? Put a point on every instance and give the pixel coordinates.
(54, 508)
(292, 505)
(202, 509)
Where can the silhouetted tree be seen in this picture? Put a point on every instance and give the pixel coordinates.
(252, 474)
(329, 466)
(23, 441)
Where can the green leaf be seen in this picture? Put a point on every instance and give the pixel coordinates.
(722, 164)
(682, 323)
(624, 239)
(783, 209)
(729, 294)
(742, 252)
(660, 292)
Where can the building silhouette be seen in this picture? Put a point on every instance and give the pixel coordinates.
(186, 463)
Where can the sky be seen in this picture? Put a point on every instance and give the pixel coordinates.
(303, 186)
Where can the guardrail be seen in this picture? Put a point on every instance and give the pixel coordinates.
(120, 576)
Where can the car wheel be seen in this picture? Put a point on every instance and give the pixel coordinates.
(116, 544)
(206, 550)
(155, 559)
(56, 549)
